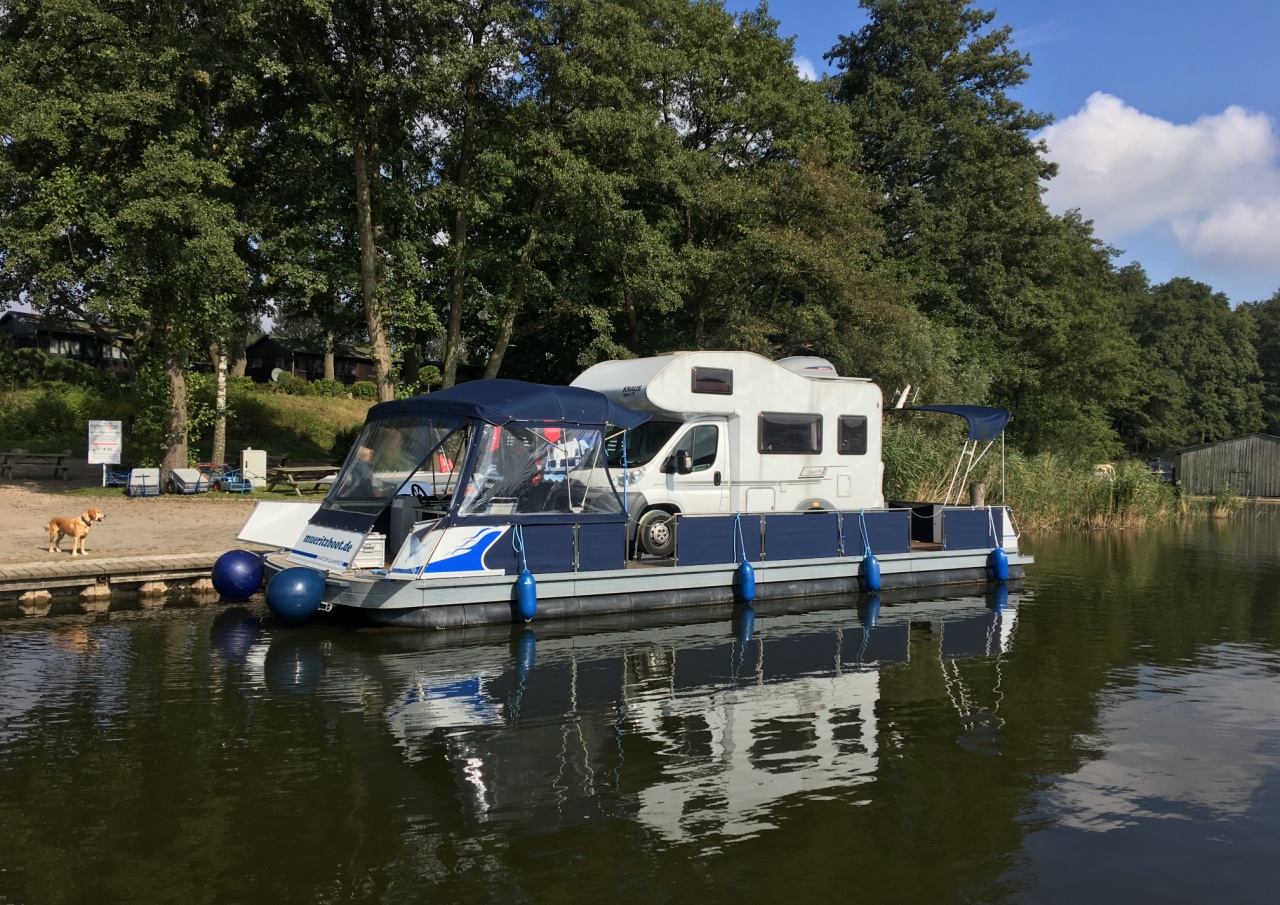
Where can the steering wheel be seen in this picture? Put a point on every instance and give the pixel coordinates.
(419, 495)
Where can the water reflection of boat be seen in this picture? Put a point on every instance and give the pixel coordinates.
(691, 728)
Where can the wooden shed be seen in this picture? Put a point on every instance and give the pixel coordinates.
(1249, 466)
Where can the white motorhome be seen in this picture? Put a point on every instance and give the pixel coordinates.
(736, 432)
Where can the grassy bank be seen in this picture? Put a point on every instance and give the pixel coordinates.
(53, 417)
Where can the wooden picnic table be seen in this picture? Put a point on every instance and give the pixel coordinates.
(296, 475)
(59, 461)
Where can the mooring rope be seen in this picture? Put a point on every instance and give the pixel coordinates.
(517, 544)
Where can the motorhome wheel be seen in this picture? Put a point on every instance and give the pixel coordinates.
(657, 533)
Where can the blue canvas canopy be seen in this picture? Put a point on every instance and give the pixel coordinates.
(985, 423)
(504, 401)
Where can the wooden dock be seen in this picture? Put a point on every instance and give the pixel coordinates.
(89, 585)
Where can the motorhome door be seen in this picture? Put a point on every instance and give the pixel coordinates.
(705, 488)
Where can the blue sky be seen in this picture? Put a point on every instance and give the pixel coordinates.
(1166, 122)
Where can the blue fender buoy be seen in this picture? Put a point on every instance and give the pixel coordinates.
(234, 632)
(998, 565)
(744, 624)
(999, 598)
(744, 583)
(526, 653)
(295, 594)
(870, 571)
(237, 574)
(869, 612)
(526, 595)
(292, 666)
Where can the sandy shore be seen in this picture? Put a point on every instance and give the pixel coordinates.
(133, 526)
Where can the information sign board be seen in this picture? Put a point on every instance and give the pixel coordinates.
(105, 439)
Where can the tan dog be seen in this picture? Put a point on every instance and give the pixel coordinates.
(75, 528)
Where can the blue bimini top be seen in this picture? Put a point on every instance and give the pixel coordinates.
(502, 401)
(985, 423)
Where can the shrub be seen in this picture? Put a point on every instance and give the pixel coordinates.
(343, 440)
(329, 388)
(364, 389)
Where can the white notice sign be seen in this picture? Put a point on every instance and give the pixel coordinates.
(104, 442)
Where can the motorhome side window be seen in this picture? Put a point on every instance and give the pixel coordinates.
(853, 435)
(717, 381)
(784, 432)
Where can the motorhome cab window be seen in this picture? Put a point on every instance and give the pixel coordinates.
(717, 381)
(784, 432)
(643, 443)
(853, 435)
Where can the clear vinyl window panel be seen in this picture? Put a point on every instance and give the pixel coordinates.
(528, 470)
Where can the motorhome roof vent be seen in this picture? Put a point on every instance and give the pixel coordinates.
(809, 366)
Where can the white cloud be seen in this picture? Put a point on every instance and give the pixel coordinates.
(1213, 184)
(1241, 233)
(805, 67)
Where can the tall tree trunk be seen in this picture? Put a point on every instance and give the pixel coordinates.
(507, 323)
(461, 223)
(219, 453)
(378, 335)
(410, 365)
(175, 428)
(329, 371)
(235, 350)
(629, 304)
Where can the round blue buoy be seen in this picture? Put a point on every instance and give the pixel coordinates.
(998, 565)
(744, 624)
(869, 611)
(292, 666)
(526, 652)
(237, 574)
(999, 598)
(870, 570)
(526, 595)
(234, 632)
(744, 583)
(295, 594)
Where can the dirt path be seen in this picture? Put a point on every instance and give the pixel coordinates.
(132, 526)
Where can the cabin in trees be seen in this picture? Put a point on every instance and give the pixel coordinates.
(76, 340)
(1248, 466)
(269, 357)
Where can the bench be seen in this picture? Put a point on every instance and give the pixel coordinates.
(19, 458)
(317, 476)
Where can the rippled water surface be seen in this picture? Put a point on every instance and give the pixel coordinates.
(1108, 731)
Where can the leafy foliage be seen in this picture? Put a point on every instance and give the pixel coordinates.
(522, 188)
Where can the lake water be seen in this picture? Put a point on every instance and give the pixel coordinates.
(1107, 731)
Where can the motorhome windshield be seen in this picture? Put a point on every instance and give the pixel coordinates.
(389, 452)
(643, 443)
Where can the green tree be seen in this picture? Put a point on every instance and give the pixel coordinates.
(1266, 320)
(926, 87)
(1201, 368)
(119, 199)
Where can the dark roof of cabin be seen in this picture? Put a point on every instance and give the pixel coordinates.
(69, 326)
(503, 401)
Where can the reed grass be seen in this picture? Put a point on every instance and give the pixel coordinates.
(1046, 491)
